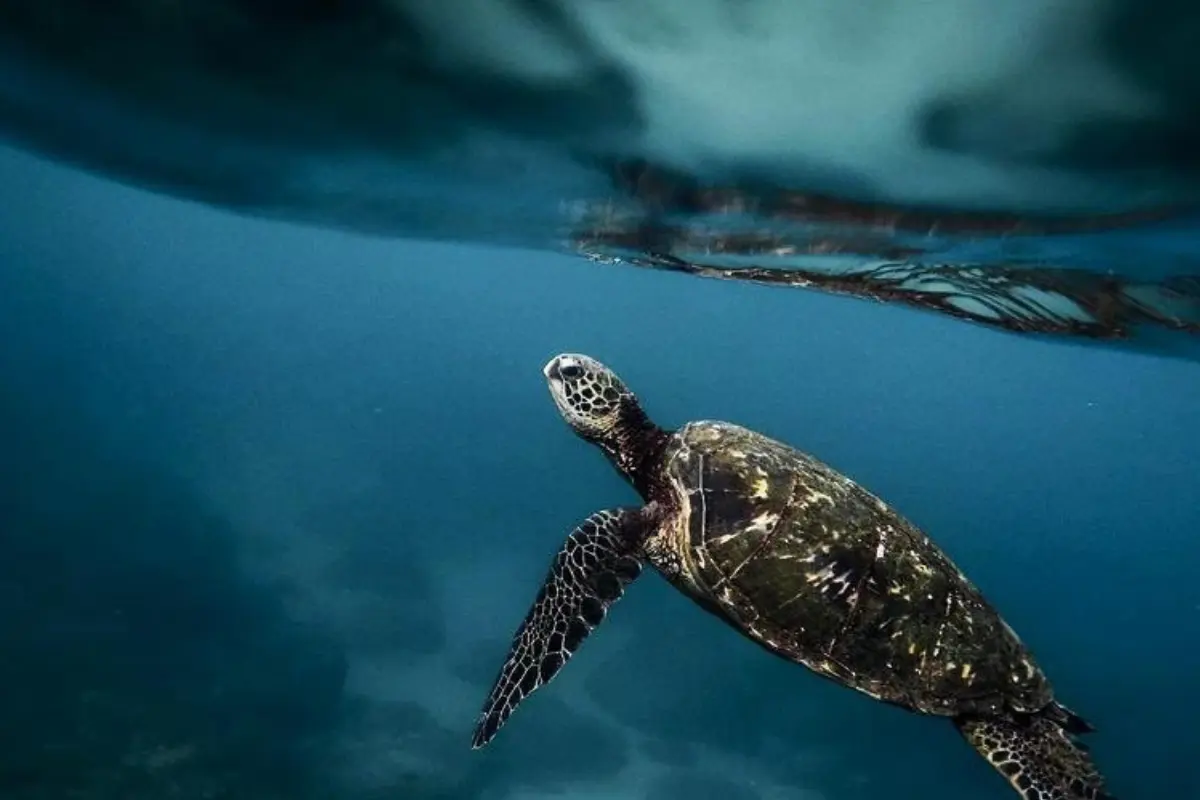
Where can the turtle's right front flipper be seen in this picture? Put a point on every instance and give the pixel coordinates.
(599, 559)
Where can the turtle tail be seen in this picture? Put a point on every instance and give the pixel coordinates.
(1037, 753)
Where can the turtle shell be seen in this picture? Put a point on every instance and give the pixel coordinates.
(820, 571)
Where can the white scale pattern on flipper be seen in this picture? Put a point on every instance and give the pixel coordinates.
(589, 573)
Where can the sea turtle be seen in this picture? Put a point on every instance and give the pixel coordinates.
(803, 561)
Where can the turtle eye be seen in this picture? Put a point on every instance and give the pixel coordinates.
(571, 371)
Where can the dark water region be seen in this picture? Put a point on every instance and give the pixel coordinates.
(1031, 166)
(274, 499)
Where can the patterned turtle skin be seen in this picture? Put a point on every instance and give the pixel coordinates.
(801, 560)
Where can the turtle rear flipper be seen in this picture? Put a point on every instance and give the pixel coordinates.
(1037, 755)
(599, 559)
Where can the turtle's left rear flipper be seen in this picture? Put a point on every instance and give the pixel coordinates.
(1037, 755)
(599, 559)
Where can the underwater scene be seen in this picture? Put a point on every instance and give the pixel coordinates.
(368, 431)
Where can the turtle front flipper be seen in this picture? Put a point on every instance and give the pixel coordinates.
(1036, 755)
(599, 559)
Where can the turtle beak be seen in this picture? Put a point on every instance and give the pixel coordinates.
(554, 382)
(554, 379)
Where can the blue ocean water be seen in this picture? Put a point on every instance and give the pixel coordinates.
(274, 499)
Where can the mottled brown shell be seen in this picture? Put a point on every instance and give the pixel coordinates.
(820, 571)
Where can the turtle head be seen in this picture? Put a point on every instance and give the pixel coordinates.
(589, 395)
